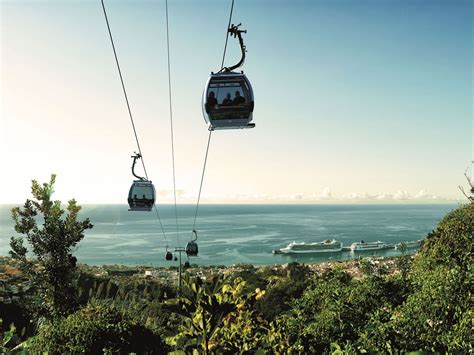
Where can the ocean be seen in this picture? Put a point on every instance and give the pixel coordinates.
(231, 234)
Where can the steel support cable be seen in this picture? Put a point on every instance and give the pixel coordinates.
(210, 132)
(171, 121)
(202, 179)
(130, 111)
(161, 226)
(123, 88)
(227, 35)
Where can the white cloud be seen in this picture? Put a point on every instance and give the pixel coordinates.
(383, 197)
(359, 196)
(324, 196)
(423, 195)
(401, 195)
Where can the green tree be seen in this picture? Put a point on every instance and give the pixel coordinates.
(437, 315)
(51, 272)
(7, 338)
(452, 242)
(283, 289)
(403, 262)
(218, 317)
(333, 309)
(96, 329)
(202, 307)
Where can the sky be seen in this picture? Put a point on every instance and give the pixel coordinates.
(355, 100)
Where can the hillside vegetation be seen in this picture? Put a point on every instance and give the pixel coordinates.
(425, 306)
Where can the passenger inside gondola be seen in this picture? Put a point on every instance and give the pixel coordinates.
(211, 100)
(238, 98)
(142, 197)
(227, 101)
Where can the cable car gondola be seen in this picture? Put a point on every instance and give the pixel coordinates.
(192, 247)
(141, 196)
(227, 100)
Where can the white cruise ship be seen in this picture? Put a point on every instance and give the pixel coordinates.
(362, 246)
(326, 246)
(410, 245)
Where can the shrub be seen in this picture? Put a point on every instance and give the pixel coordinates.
(452, 242)
(437, 313)
(52, 244)
(96, 329)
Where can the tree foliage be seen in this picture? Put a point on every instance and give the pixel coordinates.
(334, 308)
(8, 338)
(427, 306)
(218, 317)
(282, 290)
(437, 315)
(51, 234)
(452, 242)
(96, 329)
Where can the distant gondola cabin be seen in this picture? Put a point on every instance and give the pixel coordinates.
(228, 101)
(192, 249)
(141, 196)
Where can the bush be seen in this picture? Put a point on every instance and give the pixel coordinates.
(437, 313)
(452, 242)
(336, 308)
(277, 298)
(52, 234)
(434, 316)
(8, 338)
(96, 329)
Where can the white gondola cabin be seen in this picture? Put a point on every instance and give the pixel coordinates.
(141, 196)
(227, 101)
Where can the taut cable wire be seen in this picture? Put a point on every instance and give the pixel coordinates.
(227, 35)
(171, 121)
(130, 113)
(202, 179)
(123, 88)
(210, 132)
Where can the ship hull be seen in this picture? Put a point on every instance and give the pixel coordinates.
(314, 248)
(369, 246)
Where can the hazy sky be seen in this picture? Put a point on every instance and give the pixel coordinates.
(355, 100)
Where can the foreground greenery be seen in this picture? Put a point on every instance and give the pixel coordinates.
(52, 245)
(427, 306)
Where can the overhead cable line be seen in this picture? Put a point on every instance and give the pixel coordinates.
(202, 179)
(123, 88)
(227, 35)
(171, 121)
(130, 111)
(210, 131)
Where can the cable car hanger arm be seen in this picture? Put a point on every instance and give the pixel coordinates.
(234, 31)
(135, 157)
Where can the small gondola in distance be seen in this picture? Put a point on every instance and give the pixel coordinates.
(192, 247)
(142, 194)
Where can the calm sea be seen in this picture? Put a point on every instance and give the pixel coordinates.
(230, 234)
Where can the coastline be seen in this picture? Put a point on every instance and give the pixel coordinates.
(242, 234)
(13, 283)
